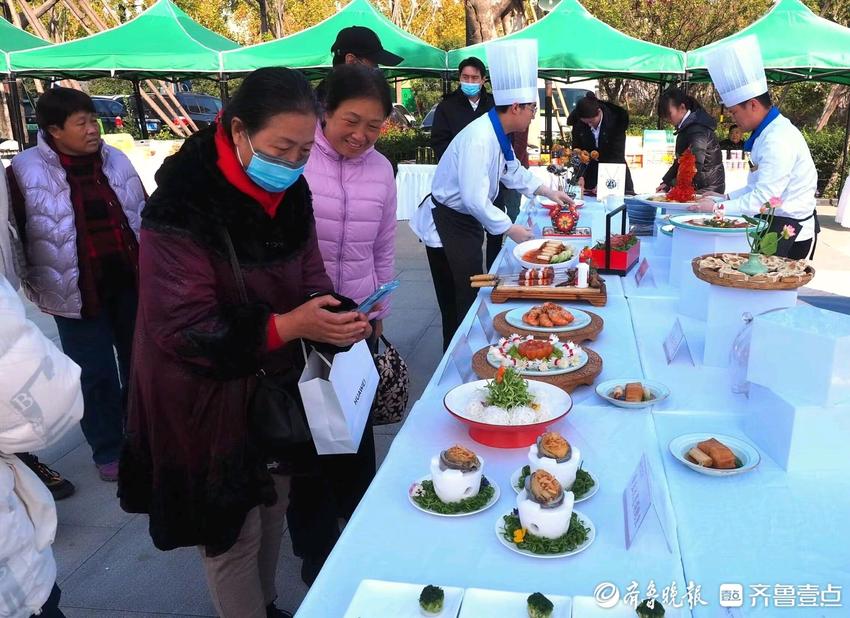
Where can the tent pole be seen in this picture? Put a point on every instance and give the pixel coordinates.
(548, 112)
(140, 109)
(222, 90)
(446, 83)
(19, 133)
(846, 141)
(660, 92)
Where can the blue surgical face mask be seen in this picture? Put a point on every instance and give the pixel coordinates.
(270, 173)
(470, 90)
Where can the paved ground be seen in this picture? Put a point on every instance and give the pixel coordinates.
(107, 564)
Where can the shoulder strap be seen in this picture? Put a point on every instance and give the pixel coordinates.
(234, 264)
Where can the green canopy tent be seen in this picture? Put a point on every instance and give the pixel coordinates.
(162, 42)
(14, 39)
(796, 45)
(574, 45)
(310, 49)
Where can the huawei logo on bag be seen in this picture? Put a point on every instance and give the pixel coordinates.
(359, 392)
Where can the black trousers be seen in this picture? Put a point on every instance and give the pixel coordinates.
(50, 609)
(494, 241)
(441, 275)
(463, 238)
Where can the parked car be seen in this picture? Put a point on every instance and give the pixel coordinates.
(32, 123)
(428, 120)
(401, 118)
(152, 119)
(201, 108)
(108, 110)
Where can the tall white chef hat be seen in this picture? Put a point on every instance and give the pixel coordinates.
(737, 70)
(513, 71)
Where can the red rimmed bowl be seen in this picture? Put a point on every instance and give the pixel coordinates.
(557, 401)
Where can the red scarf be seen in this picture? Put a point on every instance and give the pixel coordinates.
(235, 174)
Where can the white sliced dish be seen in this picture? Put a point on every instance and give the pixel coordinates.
(746, 452)
(588, 607)
(557, 400)
(684, 222)
(514, 318)
(582, 361)
(524, 247)
(658, 390)
(518, 473)
(584, 519)
(376, 598)
(647, 199)
(482, 603)
(496, 493)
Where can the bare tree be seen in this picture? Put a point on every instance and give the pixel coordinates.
(489, 19)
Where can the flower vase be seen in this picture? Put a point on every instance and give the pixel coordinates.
(753, 266)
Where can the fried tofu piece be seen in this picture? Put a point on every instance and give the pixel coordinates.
(721, 455)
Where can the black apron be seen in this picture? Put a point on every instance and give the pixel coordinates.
(784, 247)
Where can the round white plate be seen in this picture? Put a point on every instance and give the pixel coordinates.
(514, 318)
(660, 392)
(646, 198)
(584, 519)
(746, 452)
(524, 247)
(496, 493)
(582, 361)
(518, 472)
(684, 221)
(557, 400)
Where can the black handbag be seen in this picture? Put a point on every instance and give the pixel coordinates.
(393, 387)
(275, 412)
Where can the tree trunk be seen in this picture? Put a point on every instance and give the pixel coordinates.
(833, 100)
(485, 17)
(264, 16)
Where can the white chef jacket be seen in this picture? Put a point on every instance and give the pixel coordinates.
(784, 169)
(468, 176)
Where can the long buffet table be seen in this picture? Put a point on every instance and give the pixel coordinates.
(781, 535)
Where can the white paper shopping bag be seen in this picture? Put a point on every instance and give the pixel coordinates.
(337, 393)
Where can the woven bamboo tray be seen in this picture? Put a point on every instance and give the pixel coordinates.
(567, 381)
(588, 333)
(783, 284)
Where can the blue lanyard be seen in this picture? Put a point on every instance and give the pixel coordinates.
(772, 115)
(504, 141)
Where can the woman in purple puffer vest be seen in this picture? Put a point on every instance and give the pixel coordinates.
(354, 201)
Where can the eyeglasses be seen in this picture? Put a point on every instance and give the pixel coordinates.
(532, 107)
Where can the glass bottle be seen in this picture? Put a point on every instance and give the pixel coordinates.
(739, 356)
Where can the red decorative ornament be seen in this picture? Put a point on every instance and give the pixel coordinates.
(684, 189)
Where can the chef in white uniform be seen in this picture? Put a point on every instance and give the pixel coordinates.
(780, 162)
(468, 175)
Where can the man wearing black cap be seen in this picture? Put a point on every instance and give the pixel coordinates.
(360, 45)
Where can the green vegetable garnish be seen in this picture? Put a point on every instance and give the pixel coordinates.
(508, 390)
(431, 599)
(513, 352)
(570, 540)
(431, 502)
(584, 482)
(539, 606)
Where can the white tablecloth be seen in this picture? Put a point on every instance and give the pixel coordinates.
(413, 183)
(842, 217)
(765, 527)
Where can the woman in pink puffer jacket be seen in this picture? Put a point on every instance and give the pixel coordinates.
(354, 202)
(354, 193)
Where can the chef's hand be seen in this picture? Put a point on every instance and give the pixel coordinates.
(662, 188)
(706, 204)
(314, 322)
(559, 197)
(518, 233)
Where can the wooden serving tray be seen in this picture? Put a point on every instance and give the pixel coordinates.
(789, 283)
(567, 381)
(598, 297)
(588, 333)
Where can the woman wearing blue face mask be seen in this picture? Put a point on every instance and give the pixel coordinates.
(191, 459)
